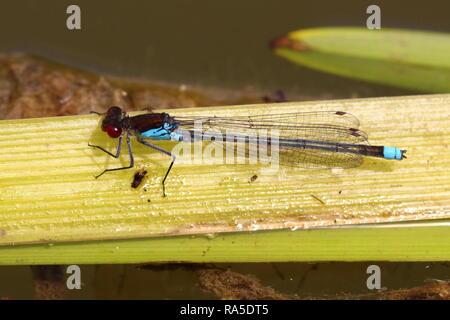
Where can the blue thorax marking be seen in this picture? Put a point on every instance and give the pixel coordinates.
(165, 132)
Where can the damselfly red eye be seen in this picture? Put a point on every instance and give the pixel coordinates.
(113, 132)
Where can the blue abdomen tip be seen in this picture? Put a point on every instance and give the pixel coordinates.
(392, 153)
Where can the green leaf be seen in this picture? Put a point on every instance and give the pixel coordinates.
(416, 60)
(428, 241)
(53, 210)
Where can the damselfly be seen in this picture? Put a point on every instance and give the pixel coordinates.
(306, 139)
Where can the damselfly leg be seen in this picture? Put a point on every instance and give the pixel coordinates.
(119, 145)
(165, 152)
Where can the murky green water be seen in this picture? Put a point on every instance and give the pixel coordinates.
(210, 44)
(305, 280)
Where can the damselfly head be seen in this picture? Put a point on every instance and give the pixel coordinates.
(114, 112)
(112, 124)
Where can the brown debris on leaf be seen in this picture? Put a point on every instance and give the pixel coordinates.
(436, 291)
(49, 282)
(31, 87)
(230, 285)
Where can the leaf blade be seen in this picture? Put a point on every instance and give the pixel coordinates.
(409, 59)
